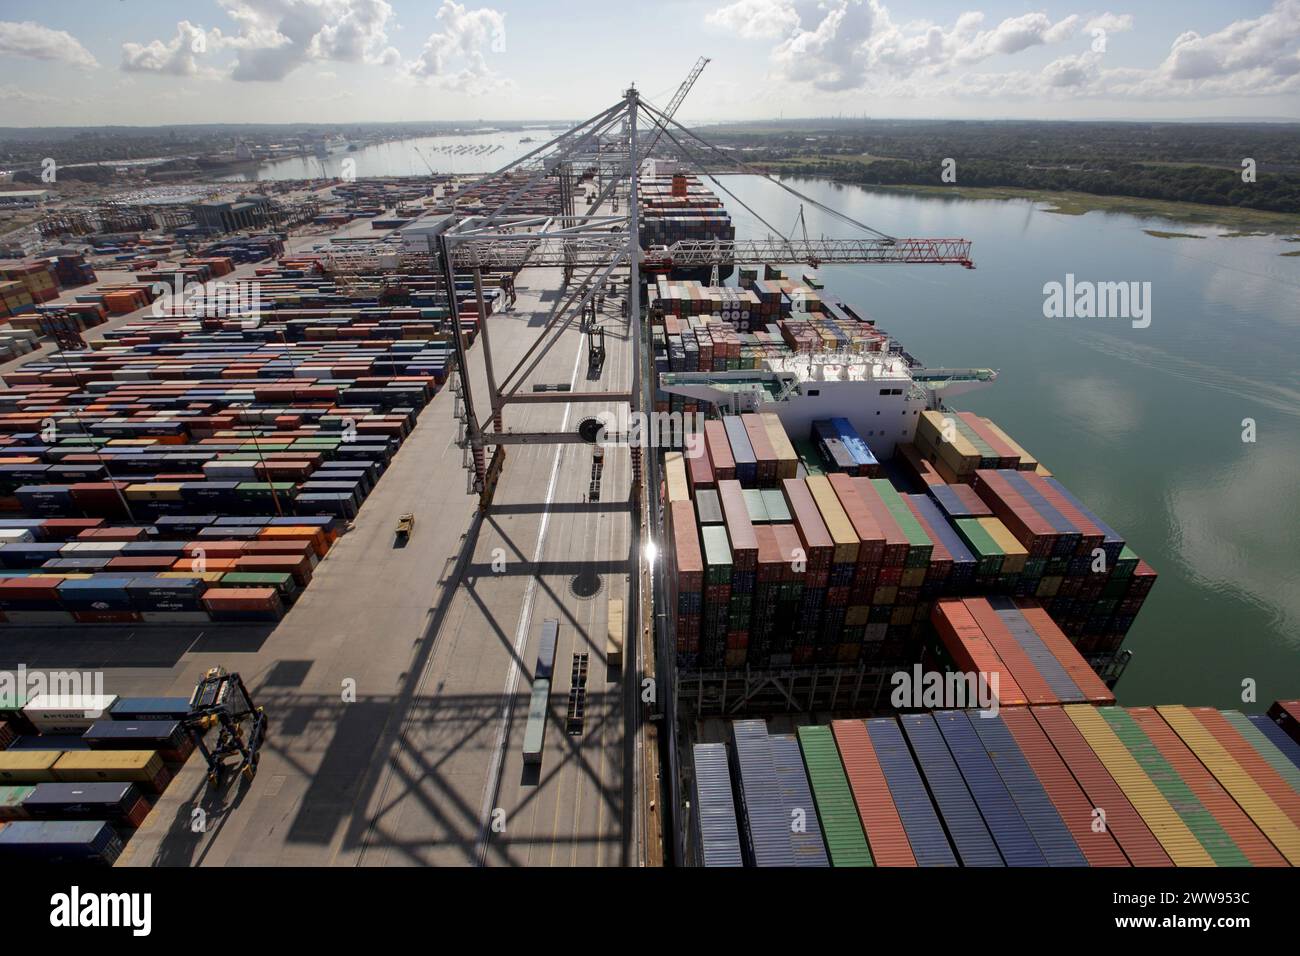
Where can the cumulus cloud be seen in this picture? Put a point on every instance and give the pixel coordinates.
(41, 43)
(756, 19)
(836, 44)
(455, 57)
(179, 57)
(272, 38)
(846, 45)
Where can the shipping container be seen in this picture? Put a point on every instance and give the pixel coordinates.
(1277, 736)
(806, 838)
(715, 811)
(962, 819)
(1248, 837)
(876, 810)
(143, 767)
(1197, 817)
(1273, 755)
(836, 810)
(78, 842)
(1249, 795)
(67, 713)
(1178, 841)
(766, 825)
(122, 804)
(1122, 819)
(925, 833)
(1035, 807)
(1014, 839)
(1072, 804)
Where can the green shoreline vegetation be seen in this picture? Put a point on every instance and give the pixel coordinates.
(1241, 222)
(1244, 222)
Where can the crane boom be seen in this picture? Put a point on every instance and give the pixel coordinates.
(592, 249)
(675, 102)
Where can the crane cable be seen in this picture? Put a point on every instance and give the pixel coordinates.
(794, 192)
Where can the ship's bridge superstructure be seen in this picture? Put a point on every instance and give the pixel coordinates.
(881, 393)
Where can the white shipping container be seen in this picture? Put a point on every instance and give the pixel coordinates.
(67, 713)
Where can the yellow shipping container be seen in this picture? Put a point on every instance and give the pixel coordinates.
(959, 454)
(675, 475)
(1163, 821)
(153, 491)
(28, 766)
(1027, 461)
(837, 522)
(114, 766)
(1015, 552)
(787, 460)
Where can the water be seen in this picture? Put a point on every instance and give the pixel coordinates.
(402, 157)
(1145, 425)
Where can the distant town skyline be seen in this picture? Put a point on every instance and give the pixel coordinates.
(148, 62)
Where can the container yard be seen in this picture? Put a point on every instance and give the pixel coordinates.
(542, 518)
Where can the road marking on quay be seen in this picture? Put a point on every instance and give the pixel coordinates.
(521, 642)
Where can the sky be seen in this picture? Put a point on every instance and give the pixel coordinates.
(151, 62)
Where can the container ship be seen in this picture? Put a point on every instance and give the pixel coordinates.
(674, 205)
(822, 437)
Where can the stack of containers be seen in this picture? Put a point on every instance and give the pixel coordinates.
(744, 555)
(818, 550)
(691, 582)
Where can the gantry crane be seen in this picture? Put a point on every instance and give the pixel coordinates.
(593, 245)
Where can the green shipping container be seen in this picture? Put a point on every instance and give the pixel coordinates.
(755, 505)
(778, 512)
(836, 811)
(920, 547)
(717, 555)
(11, 801)
(987, 552)
(1170, 783)
(282, 582)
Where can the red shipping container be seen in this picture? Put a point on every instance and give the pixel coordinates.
(1063, 790)
(1244, 753)
(1124, 822)
(719, 448)
(740, 530)
(1235, 822)
(896, 542)
(871, 540)
(816, 540)
(880, 819)
(698, 469)
(1027, 677)
(971, 652)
